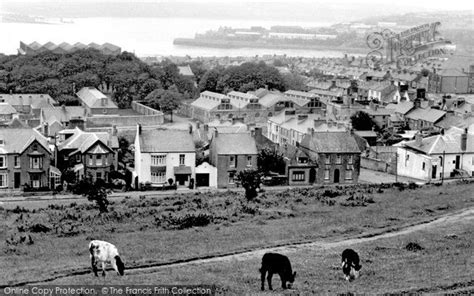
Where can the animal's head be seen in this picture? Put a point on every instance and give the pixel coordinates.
(120, 265)
(290, 278)
(346, 268)
(355, 270)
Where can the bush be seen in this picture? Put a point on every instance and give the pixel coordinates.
(188, 221)
(413, 247)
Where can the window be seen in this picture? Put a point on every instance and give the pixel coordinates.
(348, 174)
(98, 159)
(3, 180)
(36, 162)
(16, 161)
(158, 177)
(78, 157)
(231, 177)
(338, 159)
(35, 181)
(298, 176)
(349, 167)
(326, 174)
(423, 166)
(327, 160)
(181, 159)
(90, 159)
(472, 160)
(302, 160)
(158, 160)
(98, 175)
(350, 159)
(249, 160)
(232, 161)
(3, 161)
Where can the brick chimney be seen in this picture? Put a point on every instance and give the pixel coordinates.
(464, 140)
(418, 139)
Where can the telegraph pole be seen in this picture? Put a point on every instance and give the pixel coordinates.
(442, 171)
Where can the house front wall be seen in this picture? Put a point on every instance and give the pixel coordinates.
(455, 84)
(342, 171)
(30, 175)
(226, 168)
(413, 164)
(171, 160)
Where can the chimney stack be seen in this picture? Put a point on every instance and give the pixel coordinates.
(418, 139)
(464, 140)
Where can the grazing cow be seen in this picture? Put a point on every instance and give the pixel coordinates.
(350, 264)
(277, 263)
(104, 252)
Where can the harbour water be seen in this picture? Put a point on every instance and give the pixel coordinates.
(147, 36)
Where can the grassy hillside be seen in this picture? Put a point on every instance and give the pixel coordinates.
(150, 231)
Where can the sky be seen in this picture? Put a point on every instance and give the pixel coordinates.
(428, 4)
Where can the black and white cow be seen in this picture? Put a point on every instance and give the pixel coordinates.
(350, 264)
(103, 253)
(280, 264)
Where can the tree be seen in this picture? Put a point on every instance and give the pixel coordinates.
(361, 121)
(250, 180)
(96, 192)
(294, 81)
(269, 160)
(164, 100)
(209, 80)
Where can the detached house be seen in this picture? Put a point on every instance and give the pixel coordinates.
(24, 159)
(161, 155)
(230, 154)
(437, 157)
(89, 154)
(325, 157)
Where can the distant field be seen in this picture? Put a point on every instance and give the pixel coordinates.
(158, 231)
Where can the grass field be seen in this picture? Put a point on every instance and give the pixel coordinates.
(150, 231)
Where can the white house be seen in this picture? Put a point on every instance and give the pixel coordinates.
(436, 157)
(161, 155)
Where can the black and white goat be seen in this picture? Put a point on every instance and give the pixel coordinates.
(104, 252)
(350, 264)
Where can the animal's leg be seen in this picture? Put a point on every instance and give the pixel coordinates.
(103, 268)
(94, 266)
(283, 282)
(269, 279)
(262, 278)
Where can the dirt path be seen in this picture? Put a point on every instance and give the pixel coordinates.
(461, 216)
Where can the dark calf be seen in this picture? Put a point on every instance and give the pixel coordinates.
(276, 263)
(350, 263)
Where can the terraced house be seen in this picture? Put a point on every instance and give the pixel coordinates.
(24, 159)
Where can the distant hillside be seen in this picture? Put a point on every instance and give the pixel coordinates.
(298, 12)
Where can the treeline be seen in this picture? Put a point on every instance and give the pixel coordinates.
(127, 78)
(248, 77)
(61, 75)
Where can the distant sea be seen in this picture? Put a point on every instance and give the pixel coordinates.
(147, 36)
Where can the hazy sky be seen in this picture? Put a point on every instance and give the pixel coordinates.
(416, 4)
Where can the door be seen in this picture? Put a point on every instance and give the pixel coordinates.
(336, 176)
(181, 179)
(17, 180)
(433, 172)
(458, 161)
(202, 180)
(312, 175)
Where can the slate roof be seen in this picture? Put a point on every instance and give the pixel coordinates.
(439, 144)
(235, 144)
(185, 70)
(206, 104)
(82, 141)
(271, 99)
(64, 113)
(92, 97)
(430, 115)
(402, 107)
(16, 140)
(6, 108)
(330, 142)
(166, 141)
(36, 101)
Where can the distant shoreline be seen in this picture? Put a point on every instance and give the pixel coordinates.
(250, 44)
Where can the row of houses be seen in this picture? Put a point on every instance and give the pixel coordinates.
(29, 160)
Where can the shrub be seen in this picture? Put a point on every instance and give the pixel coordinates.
(413, 247)
(188, 221)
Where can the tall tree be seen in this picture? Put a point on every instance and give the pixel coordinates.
(164, 100)
(362, 121)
